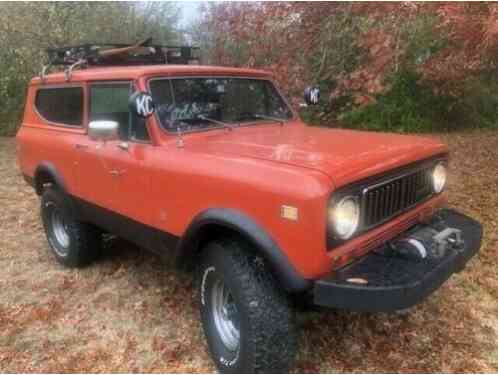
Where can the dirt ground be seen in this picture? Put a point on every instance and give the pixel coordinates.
(130, 312)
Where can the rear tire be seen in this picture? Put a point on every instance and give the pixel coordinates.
(73, 243)
(238, 293)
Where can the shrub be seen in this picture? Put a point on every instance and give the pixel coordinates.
(411, 106)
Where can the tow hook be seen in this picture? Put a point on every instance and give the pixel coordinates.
(427, 243)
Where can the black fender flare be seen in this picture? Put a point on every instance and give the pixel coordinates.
(236, 221)
(48, 169)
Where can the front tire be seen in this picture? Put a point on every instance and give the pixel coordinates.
(73, 243)
(247, 318)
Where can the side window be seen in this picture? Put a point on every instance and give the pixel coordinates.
(61, 105)
(110, 102)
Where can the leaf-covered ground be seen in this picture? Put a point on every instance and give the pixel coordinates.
(131, 312)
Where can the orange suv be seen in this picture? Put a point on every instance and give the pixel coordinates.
(213, 167)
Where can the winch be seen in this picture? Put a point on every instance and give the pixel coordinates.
(428, 242)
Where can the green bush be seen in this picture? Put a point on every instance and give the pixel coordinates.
(410, 106)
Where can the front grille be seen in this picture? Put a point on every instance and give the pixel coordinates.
(386, 199)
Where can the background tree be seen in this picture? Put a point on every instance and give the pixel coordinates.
(27, 29)
(395, 66)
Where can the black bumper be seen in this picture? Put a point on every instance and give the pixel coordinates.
(394, 282)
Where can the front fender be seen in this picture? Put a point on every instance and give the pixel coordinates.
(248, 229)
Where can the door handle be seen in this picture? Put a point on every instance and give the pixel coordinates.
(79, 146)
(124, 146)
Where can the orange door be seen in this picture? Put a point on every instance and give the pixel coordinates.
(94, 183)
(112, 173)
(130, 185)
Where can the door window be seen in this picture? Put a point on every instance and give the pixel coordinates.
(110, 102)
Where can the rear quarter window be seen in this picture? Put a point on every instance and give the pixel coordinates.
(61, 105)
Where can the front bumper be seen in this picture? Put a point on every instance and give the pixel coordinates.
(392, 282)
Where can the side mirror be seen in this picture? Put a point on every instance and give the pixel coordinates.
(312, 95)
(103, 130)
(141, 104)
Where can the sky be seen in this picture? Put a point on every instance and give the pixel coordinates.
(190, 12)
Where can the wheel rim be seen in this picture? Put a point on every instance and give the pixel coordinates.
(226, 316)
(60, 231)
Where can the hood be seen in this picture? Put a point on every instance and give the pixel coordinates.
(344, 155)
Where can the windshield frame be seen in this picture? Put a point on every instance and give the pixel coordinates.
(293, 117)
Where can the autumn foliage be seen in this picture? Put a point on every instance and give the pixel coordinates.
(357, 52)
(400, 66)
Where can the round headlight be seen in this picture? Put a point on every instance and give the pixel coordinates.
(439, 178)
(344, 217)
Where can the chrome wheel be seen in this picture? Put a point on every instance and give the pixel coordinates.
(60, 231)
(226, 316)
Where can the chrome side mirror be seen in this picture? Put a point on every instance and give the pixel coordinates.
(103, 130)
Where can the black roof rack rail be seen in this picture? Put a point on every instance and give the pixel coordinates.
(116, 54)
(110, 54)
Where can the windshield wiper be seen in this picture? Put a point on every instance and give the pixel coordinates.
(264, 117)
(224, 124)
(178, 123)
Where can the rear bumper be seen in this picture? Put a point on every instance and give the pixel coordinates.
(394, 282)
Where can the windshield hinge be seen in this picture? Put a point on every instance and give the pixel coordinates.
(179, 140)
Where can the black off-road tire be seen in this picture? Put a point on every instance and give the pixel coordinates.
(267, 333)
(84, 240)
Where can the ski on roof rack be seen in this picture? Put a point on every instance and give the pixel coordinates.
(114, 54)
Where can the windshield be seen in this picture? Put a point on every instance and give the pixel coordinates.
(189, 104)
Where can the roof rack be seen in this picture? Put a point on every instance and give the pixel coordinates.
(113, 54)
